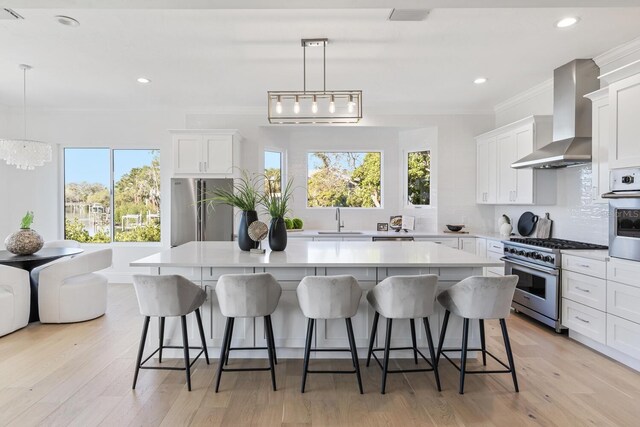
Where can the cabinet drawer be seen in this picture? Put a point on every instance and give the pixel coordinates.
(623, 335)
(623, 271)
(623, 301)
(450, 242)
(285, 273)
(495, 246)
(585, 289)
(495, 257)
(592, 267)
(585, 320)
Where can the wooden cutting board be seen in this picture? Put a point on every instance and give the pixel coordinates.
(543, 229)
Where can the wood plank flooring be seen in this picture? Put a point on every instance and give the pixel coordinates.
(80, 374)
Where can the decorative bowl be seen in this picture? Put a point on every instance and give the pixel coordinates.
(455, 227)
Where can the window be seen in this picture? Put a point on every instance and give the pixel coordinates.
(273, 171)
(418, 175)
(92, 175)
(344, 179)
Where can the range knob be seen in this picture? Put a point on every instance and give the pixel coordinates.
(547, 259)
(521, 253)
(537, 255)
(529, 254)
(512, 250)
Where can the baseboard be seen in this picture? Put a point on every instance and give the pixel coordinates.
(606, 350)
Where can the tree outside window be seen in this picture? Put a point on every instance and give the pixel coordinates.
(419, 178)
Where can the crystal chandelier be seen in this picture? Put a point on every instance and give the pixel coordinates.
(311, 107)
(25, 153)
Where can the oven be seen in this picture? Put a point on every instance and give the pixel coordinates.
(624, 214)
(538, 291)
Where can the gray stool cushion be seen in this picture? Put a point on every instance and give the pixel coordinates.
(404, 297)
(166, 296)
(248, 295)
(480, 297)
(329, 297)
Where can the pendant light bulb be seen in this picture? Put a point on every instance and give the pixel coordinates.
(351, 105)
(296, 106)
(279, 105)
(314, 106)
(332, 105)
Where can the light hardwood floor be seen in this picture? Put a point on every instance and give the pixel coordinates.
(80, 374)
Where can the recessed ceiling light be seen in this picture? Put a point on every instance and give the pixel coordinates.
(143, 80)
(67, 20)
(480, 80)
(567, 22)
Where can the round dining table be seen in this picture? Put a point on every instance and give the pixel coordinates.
(29, 262)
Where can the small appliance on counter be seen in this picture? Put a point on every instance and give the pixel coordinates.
(624, 213)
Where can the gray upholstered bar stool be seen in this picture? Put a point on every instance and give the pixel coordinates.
(404, 297)
(169, 296)
(481, 298)
(247, 295)
(329, 297)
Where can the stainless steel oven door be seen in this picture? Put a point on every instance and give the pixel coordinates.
(624, 228)
(538, 287)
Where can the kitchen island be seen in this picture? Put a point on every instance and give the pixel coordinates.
(369, 262)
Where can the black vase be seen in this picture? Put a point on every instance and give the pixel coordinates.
(277, 234)
(244, 241)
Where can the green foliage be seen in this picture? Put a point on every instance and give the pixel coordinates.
(272, 180)
(297, 223)
(244, 195)
(27, 220)
(146, 233)
(419, 178)
(288, 223)
(74, 230)
(367, 193)
(277, 203)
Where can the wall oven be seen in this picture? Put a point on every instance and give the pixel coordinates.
(624, 214)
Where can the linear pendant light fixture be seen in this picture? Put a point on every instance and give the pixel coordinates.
(25, 153)
(317, 106)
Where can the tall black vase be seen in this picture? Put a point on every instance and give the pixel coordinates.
(277, 234)
(244, 241)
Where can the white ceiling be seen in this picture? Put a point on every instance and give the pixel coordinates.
(222, 58)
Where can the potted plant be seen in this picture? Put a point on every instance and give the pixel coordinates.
(277, 205)
(244, 196)
(25, 241)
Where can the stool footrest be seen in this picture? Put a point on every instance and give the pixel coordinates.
(443, 351)
(309, 371)
(171, 368)
(400, 371)
(244, 369)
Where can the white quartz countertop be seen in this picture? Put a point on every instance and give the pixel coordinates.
(597, 254)
(302, 253)
(292, 234)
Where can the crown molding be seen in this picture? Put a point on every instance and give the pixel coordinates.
(524, 96)
(617, 53)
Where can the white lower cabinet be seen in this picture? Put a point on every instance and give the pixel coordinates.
(623, 335)
(583, 289)
(467, 244)
(451, 242)
(585, 320)
(623, 301)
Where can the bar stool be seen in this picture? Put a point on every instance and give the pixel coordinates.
(481, 298)
(169, 296)
(404, 297)
(329, 297)
(247, 295)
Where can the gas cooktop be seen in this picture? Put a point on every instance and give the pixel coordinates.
(555, 243)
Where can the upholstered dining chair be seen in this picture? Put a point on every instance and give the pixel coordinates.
(14, 299)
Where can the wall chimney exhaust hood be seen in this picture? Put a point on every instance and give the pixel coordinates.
(571, 118)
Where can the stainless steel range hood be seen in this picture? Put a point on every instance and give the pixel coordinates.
(571, 118)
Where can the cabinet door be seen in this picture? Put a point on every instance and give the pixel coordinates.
(600, 151)
(492, 196)
(468, 244)
(482, 171)
(507, 176)
(524, 177)
(187, 154)
(624, 101)
(481, 247)
(218, 151)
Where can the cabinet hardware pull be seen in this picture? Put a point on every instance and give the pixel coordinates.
(581, 319)
(584, 265)
(525, 297)
(205, 166)
(583, 289)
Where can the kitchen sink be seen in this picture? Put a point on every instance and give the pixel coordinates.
(341, 233)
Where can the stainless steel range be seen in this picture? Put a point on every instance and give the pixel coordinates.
(538, 264)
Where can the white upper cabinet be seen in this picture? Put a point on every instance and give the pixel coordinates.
(497, 181)
(624, 101)
(206, 152)
(600, 144)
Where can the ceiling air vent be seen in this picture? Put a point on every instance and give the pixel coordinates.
(408, 14)
(8, 14)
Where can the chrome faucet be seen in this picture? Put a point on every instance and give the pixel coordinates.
(340, 223)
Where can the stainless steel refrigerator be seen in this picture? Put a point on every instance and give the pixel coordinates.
(192, 220)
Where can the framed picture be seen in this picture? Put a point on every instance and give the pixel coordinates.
(383, 226)
(396, 222)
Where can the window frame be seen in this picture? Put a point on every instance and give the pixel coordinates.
(405, 178)
(360, 150)
(61, 195)
(283, 162)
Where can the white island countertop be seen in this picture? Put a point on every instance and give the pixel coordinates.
(317, 254)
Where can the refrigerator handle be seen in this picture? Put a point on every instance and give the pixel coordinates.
(198, 212)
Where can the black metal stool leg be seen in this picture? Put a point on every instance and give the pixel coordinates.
(145, 328)
(413, 340)
(463, 355)
(354, 352)
(201, 331)
(307, 350)
(387, 346)
(483, 345)
(161, 337)
(432, 352)
(270, 352)
(233, 322)
(445, 322)
(273, 341)
(372, 339)
(507, 346)
(223, 350)
(185, 343)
